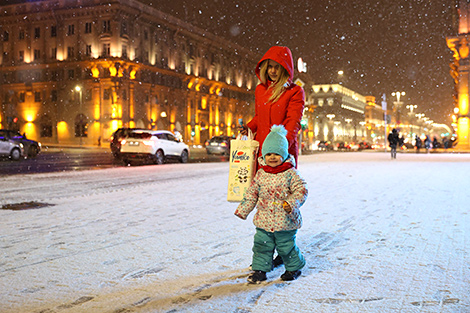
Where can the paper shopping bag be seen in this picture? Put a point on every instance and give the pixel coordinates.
(243, 152)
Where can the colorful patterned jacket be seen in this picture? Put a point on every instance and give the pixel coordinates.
(267, 192)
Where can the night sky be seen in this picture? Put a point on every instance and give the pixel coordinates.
(382, 46)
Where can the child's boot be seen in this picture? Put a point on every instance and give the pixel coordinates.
(290, 275)
(256, 277)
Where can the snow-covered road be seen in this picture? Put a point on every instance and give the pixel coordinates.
(378, 236)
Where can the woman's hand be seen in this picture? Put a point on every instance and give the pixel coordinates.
(243, 130)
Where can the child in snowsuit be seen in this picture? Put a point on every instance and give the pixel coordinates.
(278, 192)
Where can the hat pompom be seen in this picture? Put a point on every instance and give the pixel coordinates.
(279, 129)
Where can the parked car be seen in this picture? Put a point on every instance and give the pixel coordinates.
(342, 146)
(10, 149)
(153, 145)
(116, 139)
(325, 145)
(353, 146)
(31, 147)
(218, 145)
(364, 145)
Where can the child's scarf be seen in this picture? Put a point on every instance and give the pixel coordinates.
(278, 169)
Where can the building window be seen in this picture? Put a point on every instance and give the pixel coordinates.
(53, 31)
(70, 52)
(37, 96)
(88, 50)
(37, 32)
(21, 35)
(54, 95)
(71, 74)
(54, 53)
(123, 28)
(71, 30)
(21, 56)
(124, 51)
(106, 26)
(54, 75)
(45, 126)
(6, 36)
(106, 94)
(106, 50)
(22, 97)
(88, 28)
(37, 54)
(81, 126)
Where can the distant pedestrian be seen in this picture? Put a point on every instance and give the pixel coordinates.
(435, 143)
(393, 140)
(277, 191)
(446, 143)
(427, 143)
(418, 143)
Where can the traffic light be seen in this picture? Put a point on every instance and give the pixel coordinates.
(304, 124)
(193, 132)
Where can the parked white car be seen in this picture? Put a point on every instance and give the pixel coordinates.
(154, 145)
(11, 149)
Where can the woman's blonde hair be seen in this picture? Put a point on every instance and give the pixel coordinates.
(277, 87)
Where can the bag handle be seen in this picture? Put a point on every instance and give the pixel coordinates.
(245, 137)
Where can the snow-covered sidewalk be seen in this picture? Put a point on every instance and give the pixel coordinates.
(378, 236)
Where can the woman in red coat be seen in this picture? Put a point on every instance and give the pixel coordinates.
(278, 100)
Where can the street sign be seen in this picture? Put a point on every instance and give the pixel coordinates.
(299, 82)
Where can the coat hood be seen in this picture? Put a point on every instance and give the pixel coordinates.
(281, 55)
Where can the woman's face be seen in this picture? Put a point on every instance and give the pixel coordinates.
(274, 70)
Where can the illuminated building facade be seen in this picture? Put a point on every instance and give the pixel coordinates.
(460, 46)
(338, 114)
(72, 72)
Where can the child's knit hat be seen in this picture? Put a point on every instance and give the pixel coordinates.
(276, 142)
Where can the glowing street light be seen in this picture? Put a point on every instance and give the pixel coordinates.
(411, 108)
(419, 115)
(398, 94)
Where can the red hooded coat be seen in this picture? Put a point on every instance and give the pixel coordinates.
(287, 111)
